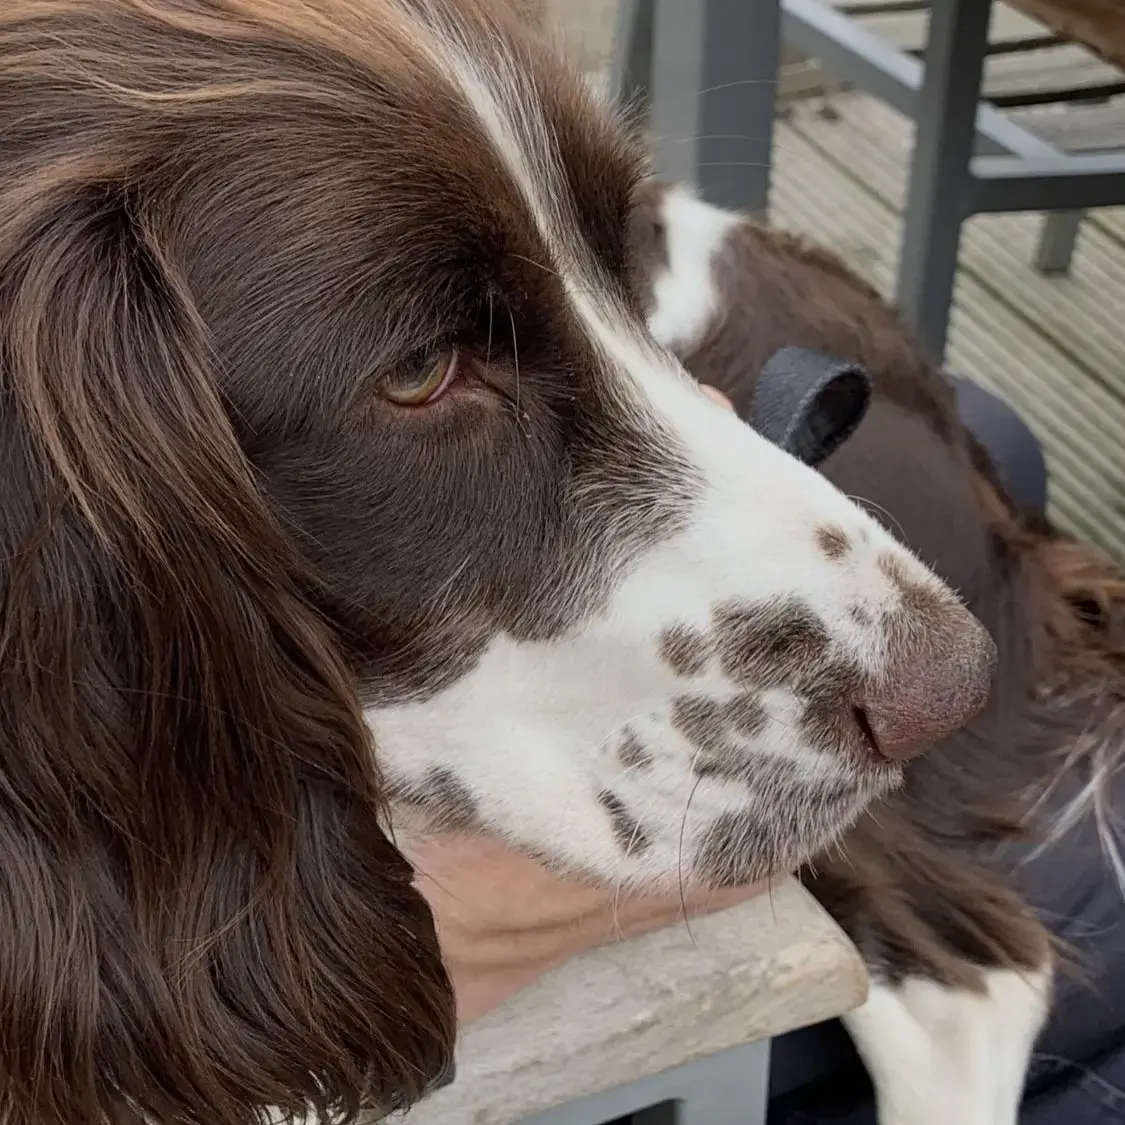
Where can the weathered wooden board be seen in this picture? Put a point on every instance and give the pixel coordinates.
(1077, 128)
(1028, 62)
(1100, 24)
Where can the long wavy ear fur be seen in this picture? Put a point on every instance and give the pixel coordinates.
(202, 914)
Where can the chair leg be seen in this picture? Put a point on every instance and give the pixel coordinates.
(715, 65)
(1057, 241)
(738, 1095)
(730, 1088)
(631, 73)
(940, 175)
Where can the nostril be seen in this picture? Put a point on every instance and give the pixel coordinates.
(859, 715)
(894, 734)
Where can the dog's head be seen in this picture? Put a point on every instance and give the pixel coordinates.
(338, 462)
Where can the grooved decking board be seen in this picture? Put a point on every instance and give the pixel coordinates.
(908, 29)
(1053, 348)
(1111, 222)
(1076, 128)
(1029, 64)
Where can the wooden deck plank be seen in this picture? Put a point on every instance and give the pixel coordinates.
(1081, 424)
(1076, 128)
(908, 30)
(1111, 222)
(1047, 74)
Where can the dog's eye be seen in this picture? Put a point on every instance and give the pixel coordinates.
(423, 379)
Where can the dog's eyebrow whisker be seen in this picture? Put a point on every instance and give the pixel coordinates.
(881, 512)
(576, 286)
(714, 137)
(516, 365)
(538, 265)
(733, 164)
(491, 312)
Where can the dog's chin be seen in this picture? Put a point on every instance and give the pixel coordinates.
(644, 815)
(742, 848)
(748, 845)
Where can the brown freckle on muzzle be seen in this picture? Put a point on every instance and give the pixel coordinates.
(631, 837)
(770, 644)
(701, 720)
(684, 650)
(926, 605)
(833, 541)
(632, 753)
(827, 721)
(710, 726)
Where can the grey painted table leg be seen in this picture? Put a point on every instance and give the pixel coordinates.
(714, 76)
(724, 1089)
(1057, 241)
(632, 58)
(937, 201)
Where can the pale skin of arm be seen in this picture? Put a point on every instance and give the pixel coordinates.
(504, 920)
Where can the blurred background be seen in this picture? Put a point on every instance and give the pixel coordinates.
(1038, 310)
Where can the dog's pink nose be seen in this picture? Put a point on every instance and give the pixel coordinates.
(940, 677)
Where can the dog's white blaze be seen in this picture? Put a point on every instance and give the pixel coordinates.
(729, 454)
(940, 1055)
(684, 292)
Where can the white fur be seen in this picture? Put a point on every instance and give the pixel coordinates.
(532, 731)
(684, 292)
(940, 1056)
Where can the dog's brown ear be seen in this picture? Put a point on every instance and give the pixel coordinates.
(202, 915)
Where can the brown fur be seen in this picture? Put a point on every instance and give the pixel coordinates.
(225, 225)
(211, 918)
(205, 915)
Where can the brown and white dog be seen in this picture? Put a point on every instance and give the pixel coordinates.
(347, 458)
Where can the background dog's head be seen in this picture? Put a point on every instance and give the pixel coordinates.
(326, 390)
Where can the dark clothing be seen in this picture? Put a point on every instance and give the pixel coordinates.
(1077, 1075)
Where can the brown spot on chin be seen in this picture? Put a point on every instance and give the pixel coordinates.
(630, 835)
(445, 799)
(631, 752)
(684, 650)
(738, 850)
(833, 541)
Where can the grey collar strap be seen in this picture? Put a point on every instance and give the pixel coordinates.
(809, 404)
